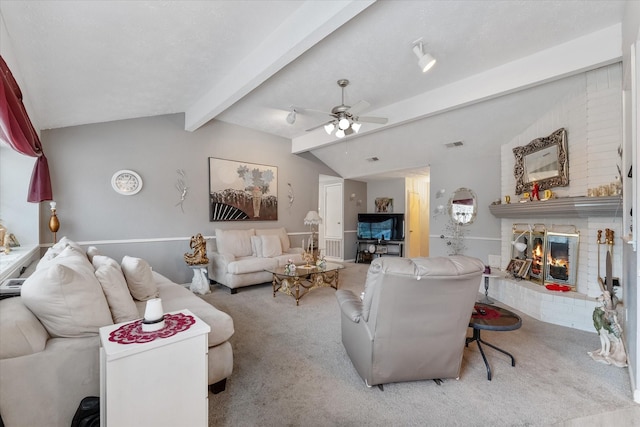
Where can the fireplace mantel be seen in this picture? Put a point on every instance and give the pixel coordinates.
(573, 207)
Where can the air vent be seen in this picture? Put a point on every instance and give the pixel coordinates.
(454, 144)
(373, 159)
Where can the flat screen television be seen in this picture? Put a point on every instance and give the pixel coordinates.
(381, 226)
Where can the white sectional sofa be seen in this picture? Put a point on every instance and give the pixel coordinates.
(242, 257)
(49, 343)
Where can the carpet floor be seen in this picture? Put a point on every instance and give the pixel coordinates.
(291, 369)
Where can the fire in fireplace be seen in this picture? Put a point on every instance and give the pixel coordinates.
(558, 260)
(553, 254)
(537, 253)
(561, 251)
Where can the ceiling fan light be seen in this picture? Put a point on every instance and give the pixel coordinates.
(344, 123)
(329, 127)
(356, 127)
(340, 133)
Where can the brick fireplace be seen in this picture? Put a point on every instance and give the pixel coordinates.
(592, 117)
(560, 219)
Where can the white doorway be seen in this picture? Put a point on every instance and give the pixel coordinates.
(331, 209)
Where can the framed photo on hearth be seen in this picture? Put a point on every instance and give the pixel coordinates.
(242, 191)
(515, 266)
(526, 268)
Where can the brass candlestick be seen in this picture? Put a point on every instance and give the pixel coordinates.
(54, 223)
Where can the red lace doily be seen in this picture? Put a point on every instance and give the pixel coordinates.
(489, 313)
(132, 333)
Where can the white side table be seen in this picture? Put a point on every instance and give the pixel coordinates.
(162, 382)
(486, 299)
(199, 283)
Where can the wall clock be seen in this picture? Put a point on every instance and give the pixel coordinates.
(126, 182)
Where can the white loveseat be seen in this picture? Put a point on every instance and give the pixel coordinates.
(49, 343)
(242, 257)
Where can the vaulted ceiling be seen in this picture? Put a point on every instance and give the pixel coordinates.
(250, 62)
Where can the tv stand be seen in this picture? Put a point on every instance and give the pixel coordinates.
(367, 250)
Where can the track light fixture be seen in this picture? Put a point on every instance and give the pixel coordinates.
(425, 60)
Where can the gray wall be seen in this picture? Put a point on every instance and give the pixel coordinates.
(480, 172)
(150, 225)
(393, 188)
(352, 207)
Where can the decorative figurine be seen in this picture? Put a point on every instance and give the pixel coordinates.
(199, 255)
(289, 267)
(605, 321)
(535, 192)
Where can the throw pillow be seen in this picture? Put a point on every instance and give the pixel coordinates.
(114, 286)
(56, 250)
(280, 232)
(100, 260)
(256, 246)
(139, 278)
(234, 242)
(67, 298)
(91, 252)
(67, 253)
(271, 246)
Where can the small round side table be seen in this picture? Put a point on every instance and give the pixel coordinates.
(200, 282)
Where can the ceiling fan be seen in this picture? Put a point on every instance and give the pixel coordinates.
(345, 119)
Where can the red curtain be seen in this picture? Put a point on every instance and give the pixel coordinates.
(18, 131)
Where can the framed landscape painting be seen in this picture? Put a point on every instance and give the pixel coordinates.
(242, 191)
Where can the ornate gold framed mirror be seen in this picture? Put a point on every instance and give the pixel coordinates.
(543, 160)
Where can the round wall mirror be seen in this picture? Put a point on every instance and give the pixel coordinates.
(463, 206)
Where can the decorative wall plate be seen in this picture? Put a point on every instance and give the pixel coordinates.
(126, 182)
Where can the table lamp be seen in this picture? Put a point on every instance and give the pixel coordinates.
(312, 219)
(54, 223)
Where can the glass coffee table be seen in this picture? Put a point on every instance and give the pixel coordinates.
(492, 318)
(304, 280)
